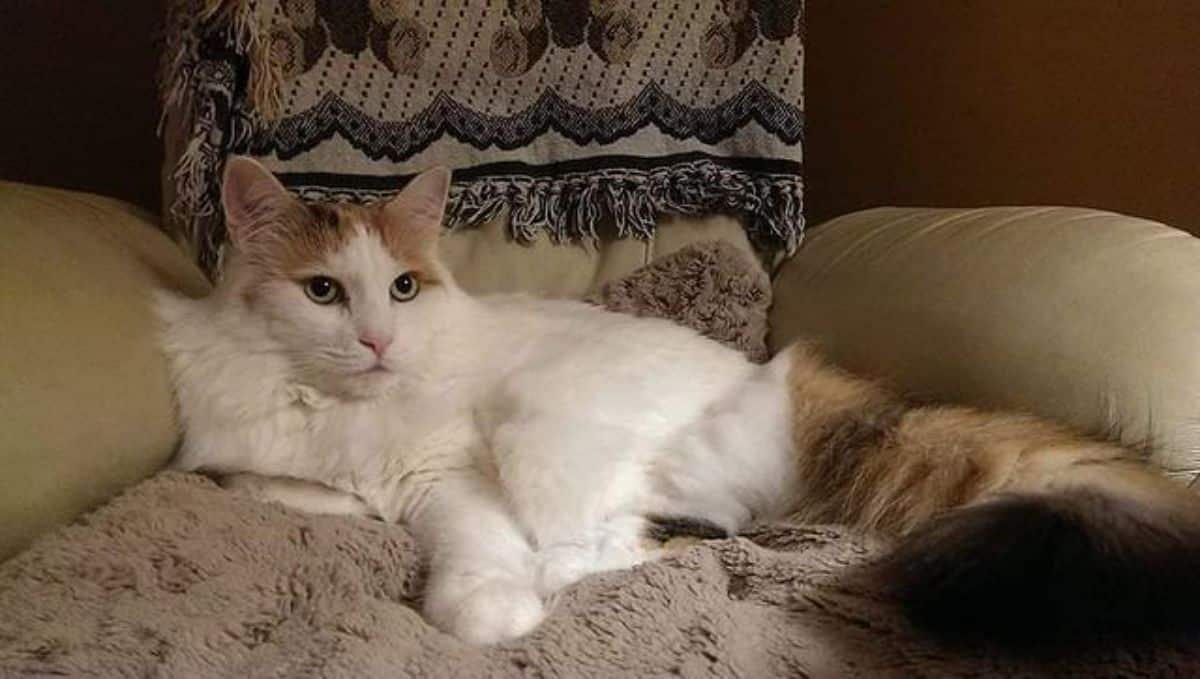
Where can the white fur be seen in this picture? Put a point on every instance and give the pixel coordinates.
(522, 440)
(307, 496)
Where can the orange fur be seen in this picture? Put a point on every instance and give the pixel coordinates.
(305, 234)
(1007, 526)
(868, 459)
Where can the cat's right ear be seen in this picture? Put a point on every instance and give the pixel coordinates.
(251, 196)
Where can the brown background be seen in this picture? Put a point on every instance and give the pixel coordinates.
(984, 102)
(910, 102)
(78, 107)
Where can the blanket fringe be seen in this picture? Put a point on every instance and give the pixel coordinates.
(198, 93)
(234, 22)
(571, 208)
(194, 206)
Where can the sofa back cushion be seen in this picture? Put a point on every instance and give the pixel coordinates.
(486, 260)
(1086, 317)
(82, 406)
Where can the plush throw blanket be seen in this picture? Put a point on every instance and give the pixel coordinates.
(178, 578)
(564, 115)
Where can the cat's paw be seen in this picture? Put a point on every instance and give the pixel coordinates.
(563, 565)
(491, 613)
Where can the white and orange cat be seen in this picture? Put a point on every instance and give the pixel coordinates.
(528, 443)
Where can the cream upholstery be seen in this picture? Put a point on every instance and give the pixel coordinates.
(1085, 316)
(83, 391)
(485, 259)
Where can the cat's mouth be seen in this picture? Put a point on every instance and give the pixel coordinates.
(377, 369)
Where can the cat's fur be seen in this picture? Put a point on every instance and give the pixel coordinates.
(526, 442)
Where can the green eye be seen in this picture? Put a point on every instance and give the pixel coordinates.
(405, 287)
(322, 290)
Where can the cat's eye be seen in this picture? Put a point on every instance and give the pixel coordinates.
(405, 287)
(322, 290)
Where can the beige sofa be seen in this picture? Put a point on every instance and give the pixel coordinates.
(1081, 315)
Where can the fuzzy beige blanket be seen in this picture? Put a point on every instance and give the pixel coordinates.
(179, 578)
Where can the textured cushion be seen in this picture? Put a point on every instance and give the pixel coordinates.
(85, 407)
(711, 287)
(1089, 317)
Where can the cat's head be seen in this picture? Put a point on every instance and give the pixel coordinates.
(354, 295)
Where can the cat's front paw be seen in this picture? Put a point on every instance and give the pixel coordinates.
(615, 546)
(491, 613)
(564, 565)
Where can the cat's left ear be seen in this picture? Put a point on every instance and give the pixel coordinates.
(421, 205)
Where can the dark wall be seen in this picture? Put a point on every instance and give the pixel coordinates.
(79, 108)
(977, 102)
(910, 102)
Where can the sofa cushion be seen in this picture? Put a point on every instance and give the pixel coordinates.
(487, 260)
(84, 397)
(1088, 317)
(711, 287)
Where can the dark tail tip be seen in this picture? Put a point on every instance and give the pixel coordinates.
(663, 528)
(1031, 569)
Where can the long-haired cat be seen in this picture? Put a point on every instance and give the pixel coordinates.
(529, 443)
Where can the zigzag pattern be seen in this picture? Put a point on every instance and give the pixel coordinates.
(400, 140)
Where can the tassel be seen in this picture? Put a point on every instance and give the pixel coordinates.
(569, 208)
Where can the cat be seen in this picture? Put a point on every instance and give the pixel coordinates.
(528, 443)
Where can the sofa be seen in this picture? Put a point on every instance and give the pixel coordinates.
(1079, 315)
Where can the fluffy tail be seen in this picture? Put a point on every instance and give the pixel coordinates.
(1006, 525)
(1105, 548)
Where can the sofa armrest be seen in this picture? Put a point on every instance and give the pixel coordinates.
(85, 404)
(1083, 316)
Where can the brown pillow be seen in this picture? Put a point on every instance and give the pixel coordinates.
(711, 287)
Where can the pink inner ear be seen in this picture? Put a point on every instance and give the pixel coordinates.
(426, 194)
(249, 193)
(415, 214)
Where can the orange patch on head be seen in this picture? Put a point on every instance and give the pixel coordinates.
(283, 237)
(406, 240)
(319, 232)
(304, 235)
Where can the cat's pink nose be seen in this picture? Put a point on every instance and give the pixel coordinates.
(378, 345)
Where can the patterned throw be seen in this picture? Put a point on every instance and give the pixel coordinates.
(561, 114)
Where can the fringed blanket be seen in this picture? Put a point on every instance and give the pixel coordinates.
(558, 113)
